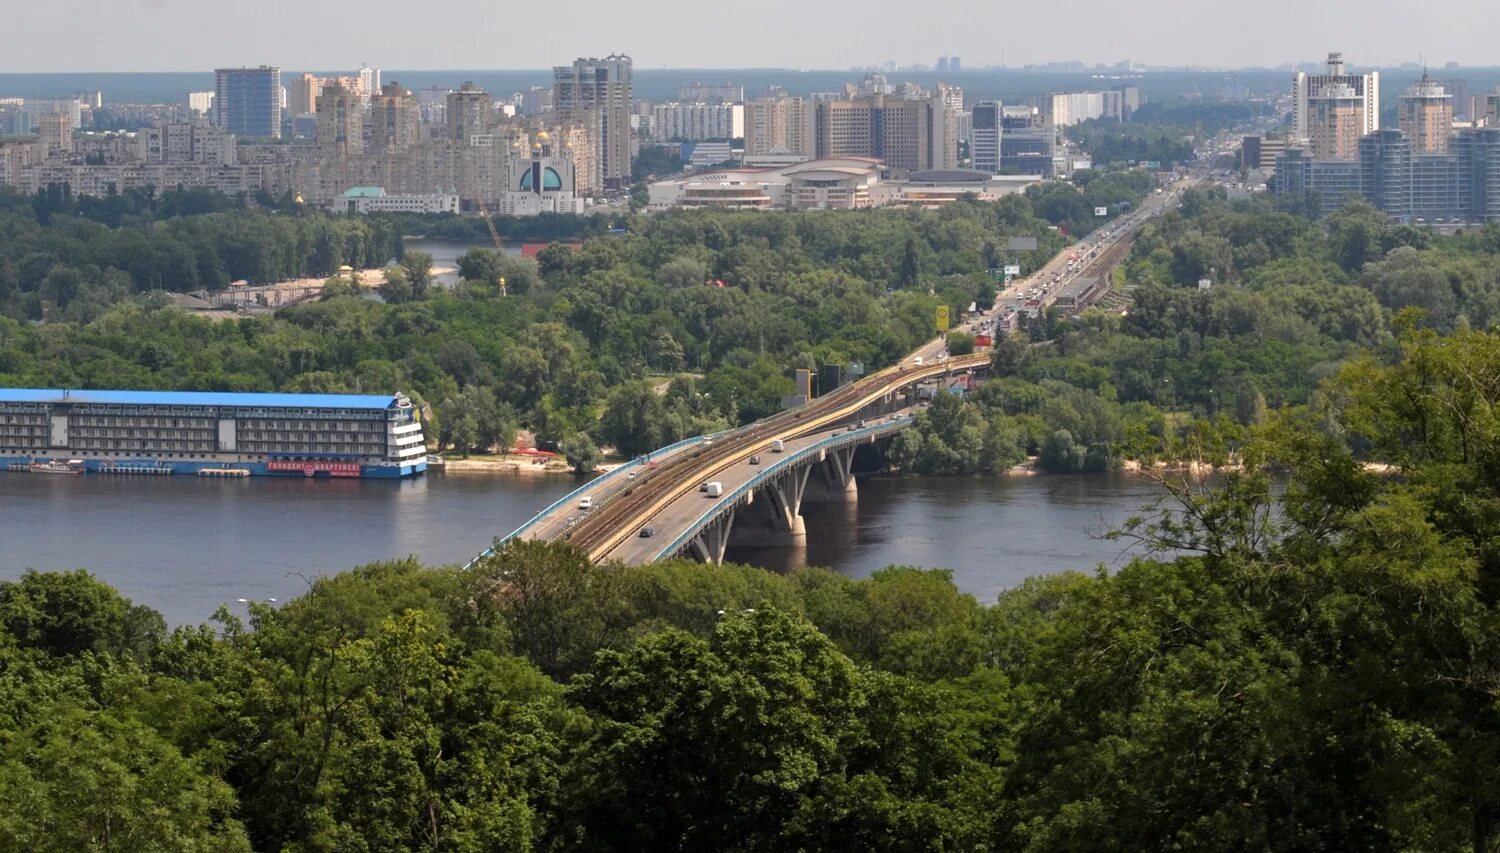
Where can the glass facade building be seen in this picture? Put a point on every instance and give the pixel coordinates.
(247, 101)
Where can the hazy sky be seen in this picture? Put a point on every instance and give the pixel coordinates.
(195, 35)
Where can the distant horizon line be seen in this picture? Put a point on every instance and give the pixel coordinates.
(976, 69)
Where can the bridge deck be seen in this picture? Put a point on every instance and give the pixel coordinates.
(677, 523)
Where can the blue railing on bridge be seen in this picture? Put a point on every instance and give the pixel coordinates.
(766, 473)
(585, 489)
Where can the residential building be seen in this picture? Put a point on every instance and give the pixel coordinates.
(341, 122)
(712, 93)
(302, 94)
(1425, 114)
(984, 136)
(1069, 108)
(395, 119)
(536, 101)
(779, 125)
(200, 104)
(186, 142)
(55, 133)
(368, 83)
(247, 101)
(1336, 121)
(597, 93)
(1366, 88)
(35, 108)
(696, 122)
(469, 112)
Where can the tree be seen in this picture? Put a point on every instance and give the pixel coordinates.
(960, 343)
(418, 269)
(581, 453)
(397, 286)
(70, 613)
(90, 781)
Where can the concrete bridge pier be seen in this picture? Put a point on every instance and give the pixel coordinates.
(772, 517)
(708, 546)
(834, 482)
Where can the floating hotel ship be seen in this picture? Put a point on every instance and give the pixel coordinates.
(186, 432)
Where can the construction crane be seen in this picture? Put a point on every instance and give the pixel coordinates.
(495, 235)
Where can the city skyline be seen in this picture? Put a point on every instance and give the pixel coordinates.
(155, 36)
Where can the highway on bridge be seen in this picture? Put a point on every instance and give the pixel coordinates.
(663, 493)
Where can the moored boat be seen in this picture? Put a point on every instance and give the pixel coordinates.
(57, 466)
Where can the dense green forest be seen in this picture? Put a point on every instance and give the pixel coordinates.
(1316, 669)
(729, 302)
(1162, 132)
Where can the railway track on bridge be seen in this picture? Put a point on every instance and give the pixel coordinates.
(604, 529)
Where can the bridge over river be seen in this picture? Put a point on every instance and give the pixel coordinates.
(657, 506)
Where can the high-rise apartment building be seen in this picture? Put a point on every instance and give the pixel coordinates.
(55, 133)
(302, 94)
(200, 104)
(984, 136)
(711, 93)
(247, 101)
(185, 142)
(469, 111)
(1366, 88)
(1425, 114)
(369, 82)
(341, 122)
(598, 92)
(779, 125)
(697, 122)
(395, 119)
(1335, 122)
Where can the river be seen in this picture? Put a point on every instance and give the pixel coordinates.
(445, 255)
(185, 545)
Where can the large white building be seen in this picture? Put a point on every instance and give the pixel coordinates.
(544, 182)
(832, 183)
(377, 200)
(681, 122)
(1307, 88)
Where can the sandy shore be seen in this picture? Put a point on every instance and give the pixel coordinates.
(524, 466)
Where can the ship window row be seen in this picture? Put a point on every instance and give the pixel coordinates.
(23, 419)
(98, 432)
(145, 446)
(300, 447)
(111, 420)
(254, 424)
(347, 438)
(23, 408)
(6, 429)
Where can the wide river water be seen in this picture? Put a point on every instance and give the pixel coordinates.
(185, 545)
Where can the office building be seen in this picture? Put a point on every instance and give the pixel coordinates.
(365, 200)
(468, 114)
(247, 101)
(597, 92)
(341, 122)
(1425, 114)
(984, 136)
(1258, 152)
(14, 121)
(907, 134)
(1028, 145)
(1365, 88)
(395, 119)
(779, 125)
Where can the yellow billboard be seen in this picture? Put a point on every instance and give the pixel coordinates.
(942, 318)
